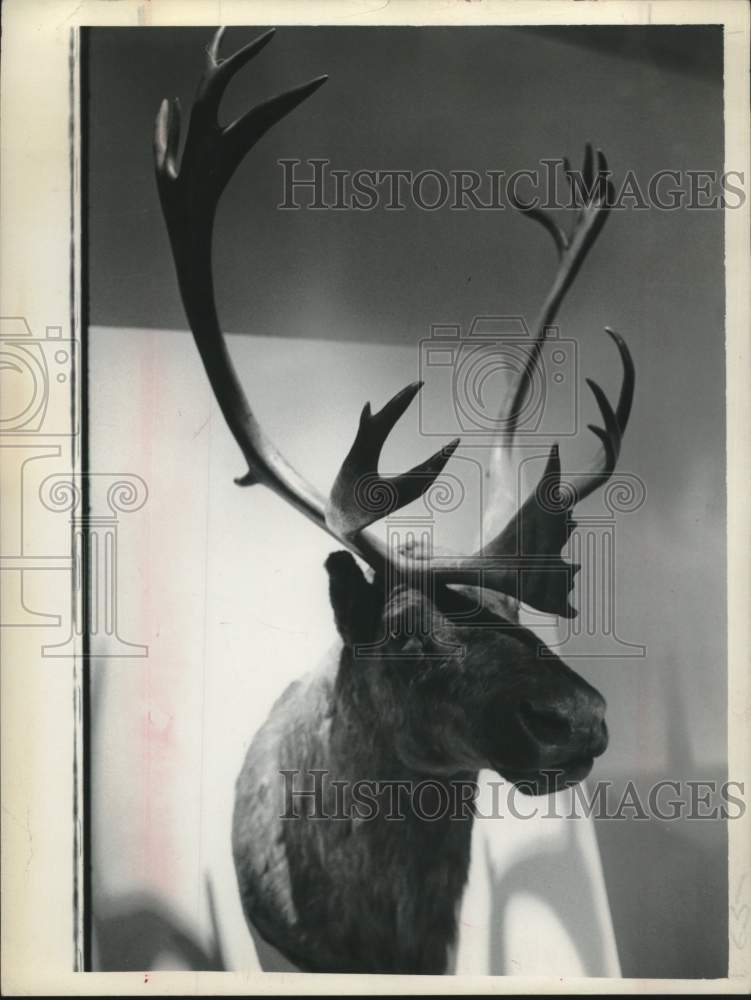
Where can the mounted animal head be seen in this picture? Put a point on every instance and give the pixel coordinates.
(451, 682)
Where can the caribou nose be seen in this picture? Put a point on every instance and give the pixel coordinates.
(549, 724)
(574, 723)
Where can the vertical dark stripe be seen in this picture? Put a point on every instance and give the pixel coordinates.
(73, 415)
(86, 894)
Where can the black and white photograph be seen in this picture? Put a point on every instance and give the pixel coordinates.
(400, 612)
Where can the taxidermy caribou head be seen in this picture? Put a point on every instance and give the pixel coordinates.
(434, 678)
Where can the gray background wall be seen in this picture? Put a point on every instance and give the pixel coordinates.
(484, 99)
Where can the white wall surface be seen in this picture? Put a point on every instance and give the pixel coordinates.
(226, 586)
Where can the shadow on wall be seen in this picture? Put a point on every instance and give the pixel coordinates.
(137, 932)
(675, 924)
(574, 904)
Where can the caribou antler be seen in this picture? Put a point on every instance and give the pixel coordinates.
(593, 206)
(543, 525)
(359, 495)
(524, 560)
(189, 196)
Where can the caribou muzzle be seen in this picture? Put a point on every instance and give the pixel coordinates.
(560, 735)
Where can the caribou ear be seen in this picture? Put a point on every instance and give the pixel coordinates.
(356, 602)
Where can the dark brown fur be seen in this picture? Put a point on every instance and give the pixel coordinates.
(381, 895)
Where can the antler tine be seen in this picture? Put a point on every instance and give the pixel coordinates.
(166, 141)
(246, 130)
(626, 396)
(615, 421)
(229, 144)
(220, 71)
(360, 496)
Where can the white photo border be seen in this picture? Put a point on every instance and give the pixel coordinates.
(43, 876)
